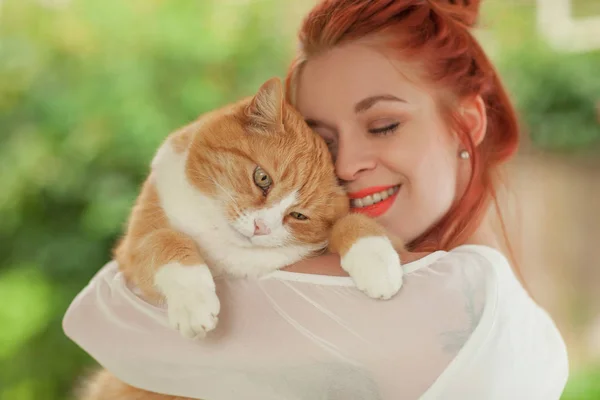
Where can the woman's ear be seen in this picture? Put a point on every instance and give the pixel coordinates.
(474, 115)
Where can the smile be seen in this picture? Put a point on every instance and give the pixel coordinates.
(374, 198)
(373, 201)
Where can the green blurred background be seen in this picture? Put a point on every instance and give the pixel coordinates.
(89, 88)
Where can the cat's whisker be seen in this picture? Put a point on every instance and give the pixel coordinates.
(235, 204)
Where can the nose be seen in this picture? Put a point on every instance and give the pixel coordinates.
(353, 158)
(260, 227)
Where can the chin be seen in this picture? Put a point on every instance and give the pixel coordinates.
(395, 225)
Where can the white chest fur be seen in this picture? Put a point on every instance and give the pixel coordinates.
(199, 216)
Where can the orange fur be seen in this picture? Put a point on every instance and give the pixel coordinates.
(351, 228)
(348, 229)
(224, 147)
(150, 243)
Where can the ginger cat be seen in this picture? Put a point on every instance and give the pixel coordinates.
(242, 191)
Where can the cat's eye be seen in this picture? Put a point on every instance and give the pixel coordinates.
(262, 179)
(297, 215)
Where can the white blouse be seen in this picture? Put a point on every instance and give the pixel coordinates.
(461, 327)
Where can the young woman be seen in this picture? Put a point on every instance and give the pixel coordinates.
(418, 122)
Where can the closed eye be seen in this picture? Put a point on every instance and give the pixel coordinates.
(384, 130)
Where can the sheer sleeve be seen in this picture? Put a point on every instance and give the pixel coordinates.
(291, 335)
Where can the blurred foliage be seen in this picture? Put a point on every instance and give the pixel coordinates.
(88, 90)
(585, 8)
(556, 94)
(583, 385)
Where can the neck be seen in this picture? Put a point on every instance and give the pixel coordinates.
(485, 235)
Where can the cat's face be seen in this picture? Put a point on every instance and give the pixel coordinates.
(272, 176)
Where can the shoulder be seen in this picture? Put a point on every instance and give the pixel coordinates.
(475, 274)
(481, 267)
(475, 266)
(492, 267)
(512, 332)
(485, 258)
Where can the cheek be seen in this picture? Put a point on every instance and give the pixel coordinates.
(440, 167)
(433, 185)
(430, 162)
(438, 187)
(428, 168)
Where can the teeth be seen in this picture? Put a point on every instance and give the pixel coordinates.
(374, 198)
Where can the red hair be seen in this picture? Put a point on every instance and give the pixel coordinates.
(436, 35)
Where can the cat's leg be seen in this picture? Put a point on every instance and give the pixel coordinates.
(368, 255)
(104, 386)
(168, 263)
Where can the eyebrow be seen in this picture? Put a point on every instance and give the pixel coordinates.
(370, 101)
(360, 107)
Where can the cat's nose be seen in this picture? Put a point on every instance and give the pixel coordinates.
(260, 227)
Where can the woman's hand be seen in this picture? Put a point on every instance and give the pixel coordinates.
(329, 264)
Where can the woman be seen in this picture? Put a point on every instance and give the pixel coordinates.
(408, 102)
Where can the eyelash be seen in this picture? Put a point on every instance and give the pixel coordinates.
(386, 130)
(383, 131)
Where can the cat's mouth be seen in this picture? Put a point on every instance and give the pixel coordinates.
(267, 241)
(241, 237)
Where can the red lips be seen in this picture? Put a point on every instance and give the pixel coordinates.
(377, 209)
(368, 191)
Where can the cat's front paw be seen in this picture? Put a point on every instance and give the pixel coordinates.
(192, 303)
(374, 266)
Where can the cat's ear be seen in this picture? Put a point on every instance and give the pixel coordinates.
(265, 111)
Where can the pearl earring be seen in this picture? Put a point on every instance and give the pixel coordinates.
(464, 154)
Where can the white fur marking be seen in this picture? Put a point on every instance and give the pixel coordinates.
(192, 303)
(374, 266)
(272, 217)
(202, 218)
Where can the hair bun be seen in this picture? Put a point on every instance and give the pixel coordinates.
(464, 11)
